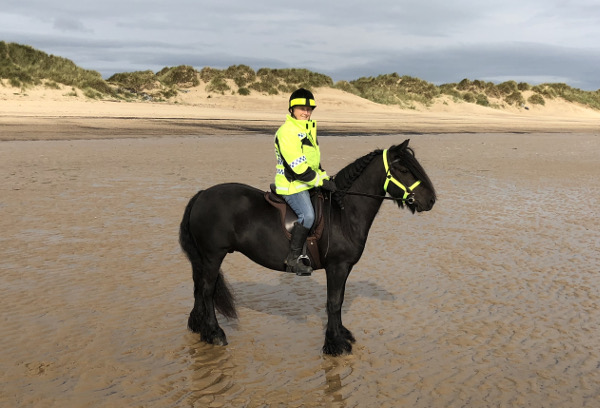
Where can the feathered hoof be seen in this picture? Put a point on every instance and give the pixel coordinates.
(215, 337)
(195, 322)
(216, 341)
(337, 347)
(208, 333)
(348, 335)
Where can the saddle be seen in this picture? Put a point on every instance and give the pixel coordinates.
(288, 217)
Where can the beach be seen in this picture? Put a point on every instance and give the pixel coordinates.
(47, 114)
(490, 299)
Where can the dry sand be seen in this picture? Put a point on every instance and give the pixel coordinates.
(490, 299)
(49, 114)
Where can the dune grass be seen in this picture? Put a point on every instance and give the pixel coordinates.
(23, 66)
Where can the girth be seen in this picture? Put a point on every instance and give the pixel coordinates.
(288, 217)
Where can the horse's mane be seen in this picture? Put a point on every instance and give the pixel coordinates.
(346, 176)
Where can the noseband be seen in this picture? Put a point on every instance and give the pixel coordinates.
(409, 196)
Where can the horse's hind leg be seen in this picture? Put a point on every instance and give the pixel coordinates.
(202, 317)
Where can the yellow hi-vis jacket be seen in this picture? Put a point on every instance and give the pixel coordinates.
(298, 157)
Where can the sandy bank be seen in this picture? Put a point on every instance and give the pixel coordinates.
(41, 113)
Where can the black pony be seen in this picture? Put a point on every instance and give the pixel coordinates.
(236, 217)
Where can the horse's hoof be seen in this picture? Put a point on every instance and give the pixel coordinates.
(219, 342)
(215, 340)
(335, 349)
(216, 337)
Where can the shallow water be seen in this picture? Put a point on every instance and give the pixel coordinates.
(490, 299)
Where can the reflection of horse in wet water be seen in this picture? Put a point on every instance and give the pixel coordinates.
(236, 217)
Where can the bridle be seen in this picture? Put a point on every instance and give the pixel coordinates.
(408, 197)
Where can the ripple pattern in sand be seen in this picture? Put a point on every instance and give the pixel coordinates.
(492, 299)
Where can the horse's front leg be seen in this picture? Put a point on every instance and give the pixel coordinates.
(338, 339)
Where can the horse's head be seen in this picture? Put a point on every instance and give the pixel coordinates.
(406, 179)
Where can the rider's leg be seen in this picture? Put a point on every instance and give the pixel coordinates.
(302, 206)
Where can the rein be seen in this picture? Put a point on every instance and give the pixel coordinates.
(408, 197)
(356, 193)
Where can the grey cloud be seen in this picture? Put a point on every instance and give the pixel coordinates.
(68, 24)
(435, 40)
(517, 60)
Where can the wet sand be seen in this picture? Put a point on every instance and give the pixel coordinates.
(490, 299)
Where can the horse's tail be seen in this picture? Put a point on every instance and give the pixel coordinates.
(223, 298)
(186, 239)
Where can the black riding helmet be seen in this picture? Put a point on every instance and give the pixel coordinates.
(302, 97)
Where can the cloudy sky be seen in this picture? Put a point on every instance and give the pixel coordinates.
(439, 41)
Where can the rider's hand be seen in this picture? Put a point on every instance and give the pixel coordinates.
(329, 185)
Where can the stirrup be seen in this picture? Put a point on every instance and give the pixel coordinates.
(298, 263)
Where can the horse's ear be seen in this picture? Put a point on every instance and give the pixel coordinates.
(404, 144)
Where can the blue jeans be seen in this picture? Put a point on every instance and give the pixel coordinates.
(302, 206)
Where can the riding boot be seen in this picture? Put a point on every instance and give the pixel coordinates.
(295, 258)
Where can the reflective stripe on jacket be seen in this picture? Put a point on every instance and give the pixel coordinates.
(298, 157)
